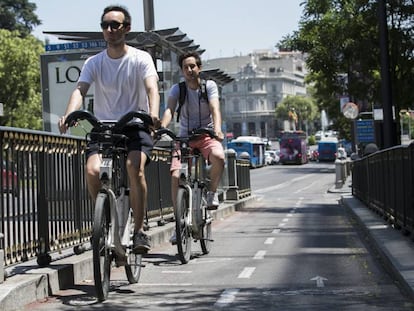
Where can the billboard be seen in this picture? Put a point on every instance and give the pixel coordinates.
(60, 71)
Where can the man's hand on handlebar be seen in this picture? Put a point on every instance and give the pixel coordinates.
(220, 136)
(63, 127)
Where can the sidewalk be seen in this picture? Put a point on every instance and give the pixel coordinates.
(26, 282)
(395, 250)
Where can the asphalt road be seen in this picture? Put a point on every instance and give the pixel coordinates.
(293, 248)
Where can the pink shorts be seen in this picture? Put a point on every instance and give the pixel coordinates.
(205, 144)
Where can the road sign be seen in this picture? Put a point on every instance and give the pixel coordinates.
(365, 131)
(97, 44)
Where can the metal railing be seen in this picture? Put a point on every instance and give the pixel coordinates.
(45, 206)
(384, 181)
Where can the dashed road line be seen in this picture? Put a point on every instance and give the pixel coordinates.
(246, 273)
(259, 255)
(227, 297)
(270, 240)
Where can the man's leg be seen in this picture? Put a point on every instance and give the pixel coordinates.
(138, 198)
(216, 159)
(138, 186)
(92, 175)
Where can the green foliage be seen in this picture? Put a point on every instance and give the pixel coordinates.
(311, 140)
(304, 108)
(20, 80)
(341, 39)
(18, 15)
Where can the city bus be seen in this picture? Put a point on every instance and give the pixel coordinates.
(251, 148)
(293, 147)
(327, 149)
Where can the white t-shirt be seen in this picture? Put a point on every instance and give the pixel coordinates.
(195, 112)
(119, 83)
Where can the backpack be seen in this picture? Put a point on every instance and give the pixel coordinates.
(183, 94)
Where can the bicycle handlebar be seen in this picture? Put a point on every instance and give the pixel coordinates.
(78, 115)
(193, 134)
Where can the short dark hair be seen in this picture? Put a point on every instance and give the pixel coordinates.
(118, 8)
(187, 55)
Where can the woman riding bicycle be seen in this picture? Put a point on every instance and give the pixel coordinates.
(125, 80)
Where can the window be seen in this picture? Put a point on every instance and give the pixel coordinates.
(235, 88)
(249, 86)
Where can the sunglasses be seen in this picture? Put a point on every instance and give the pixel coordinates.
(113, 24)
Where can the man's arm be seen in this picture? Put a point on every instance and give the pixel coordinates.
(75, 102)
(169, 112)
(214, 105)
(151, 86)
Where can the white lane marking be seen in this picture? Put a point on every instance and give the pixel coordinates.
(259, 255)
(281, 225)
(164, 284)
(305, 188)
(176, 271)
(285, 219)
(270, 240)
(227, 297)
(246, 273)
(319, 281)
(289, 215)
(276, 231)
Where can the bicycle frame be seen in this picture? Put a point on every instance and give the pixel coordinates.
(191, 215)
(118, 237)
(112, 233)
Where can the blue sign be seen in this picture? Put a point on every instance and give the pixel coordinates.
(76, 45)
(365, 131)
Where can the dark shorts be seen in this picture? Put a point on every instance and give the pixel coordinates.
(138, 139)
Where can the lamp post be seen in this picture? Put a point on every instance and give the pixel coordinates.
(390, 135)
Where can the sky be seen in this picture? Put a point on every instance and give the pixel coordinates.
(223, 28)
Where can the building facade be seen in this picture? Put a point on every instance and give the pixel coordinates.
(261, 81)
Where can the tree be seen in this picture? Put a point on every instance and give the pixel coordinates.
(298, 110)
(341, 39)
(20, 80)
(18, 15)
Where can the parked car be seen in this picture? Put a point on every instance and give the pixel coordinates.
(9, 177)
(271, 157)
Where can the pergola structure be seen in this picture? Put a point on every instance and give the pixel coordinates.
(156, 42)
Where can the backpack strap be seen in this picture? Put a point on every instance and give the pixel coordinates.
(203, 88)
(183, 94)
(181, 98)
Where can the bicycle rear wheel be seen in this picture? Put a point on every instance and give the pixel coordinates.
(182, 226)
(205, 228)
(101, 252)
(133, 266)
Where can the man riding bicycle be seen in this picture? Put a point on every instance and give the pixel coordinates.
(197, 111)
(125, 80)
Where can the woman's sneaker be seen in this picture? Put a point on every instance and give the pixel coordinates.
(141, 243)
(212, 200)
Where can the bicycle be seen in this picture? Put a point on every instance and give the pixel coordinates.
(192, 218)
(112, 228)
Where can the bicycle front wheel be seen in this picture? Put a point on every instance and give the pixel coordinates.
(101, 252)
(182, 226)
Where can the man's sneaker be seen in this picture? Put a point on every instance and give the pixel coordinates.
(173, 239)
(141, 243)
(212, 200)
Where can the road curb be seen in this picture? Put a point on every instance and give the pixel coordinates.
(395, 250)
